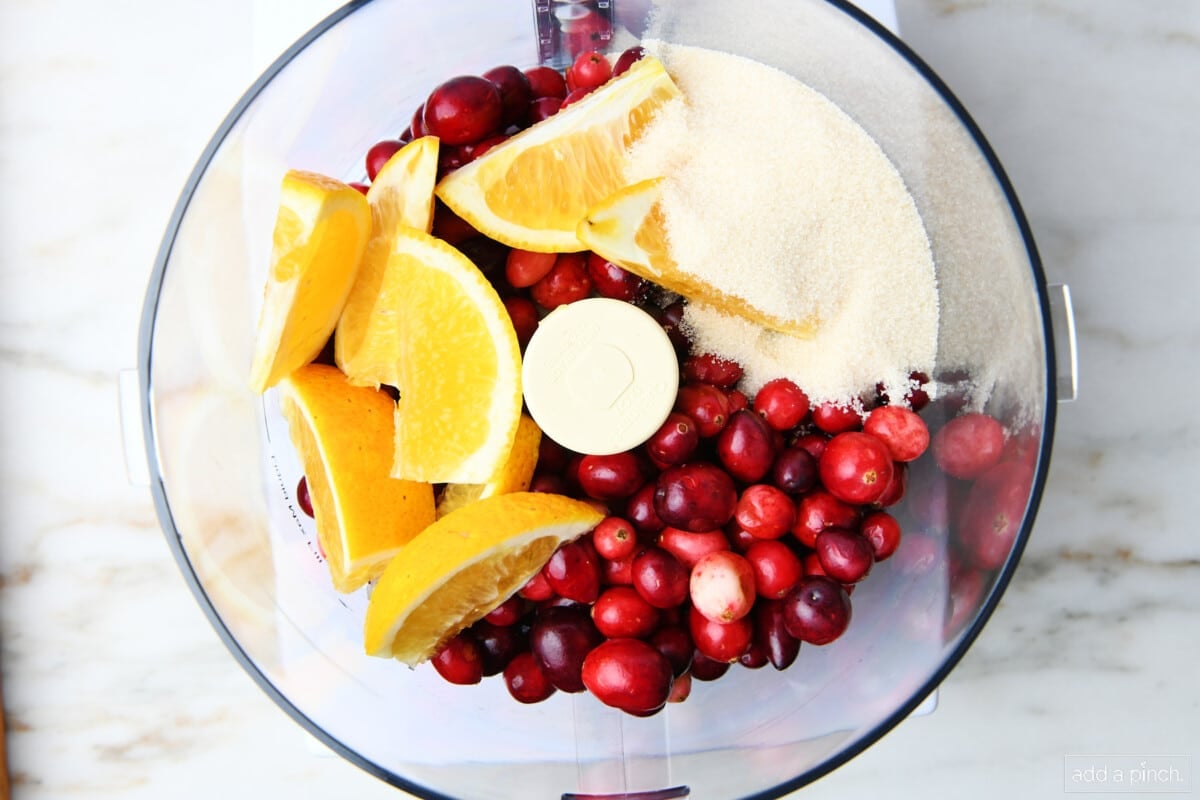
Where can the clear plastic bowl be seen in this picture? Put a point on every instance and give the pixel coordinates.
(224, 474)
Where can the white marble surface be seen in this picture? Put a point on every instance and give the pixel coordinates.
(116, 686)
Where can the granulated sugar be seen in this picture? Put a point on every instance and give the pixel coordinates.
(781, 199)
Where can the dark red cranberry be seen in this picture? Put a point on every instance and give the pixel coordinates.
(834, 418)
(417, 127)
(543, 108)
(549, 483)
(739, 540)
(671, 319)
(777, 569)
(794, 470)
(573, 571)
(526, 680)
(566, 282)
(379, 154)
(614, 538)
(675, 441)
(574, 96)
(459, 661)
(782, 403)
(303, 498)
(641, 512)
(746, 446)
(883, 532)
(507, 613)
(610, 477)
(552, 456)
(819, 510)
(621, 612)
(546, 82)
(993, 513)
(674, 642)
(515, 93)
(627, 60)
(856, 467)
(451, 157)
(704, 404)
(537, 588)
(610, 280)
(524, 268)
(480, 150)
(771, 634)
(690, 547)
(618, 571)
(755, 657)
(712, 369)
(660, 578)
(845, 556)
(765, 512)
(969, 445)
(817, 611)
(361, 188)
(915, 396)
(561, 638)
(894, 493)
(524, 316)
(450, 227)
(591, 70)
(812, 443)
(695, 497)
(720, 641)
(707, 669)
(463, 110)
(722, 586)
(737, 401)
(904, 433)
(497, 645)
(628, 674)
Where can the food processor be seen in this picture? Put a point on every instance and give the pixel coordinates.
(224, 476)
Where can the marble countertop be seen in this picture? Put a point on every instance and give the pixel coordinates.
(115, 685)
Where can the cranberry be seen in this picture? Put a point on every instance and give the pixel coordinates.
(574, 97)
(524, 316)
(628, 674)
(627, 59)
(739, 540)
(543, 108)
(614, 538)
(882, 531)
(712, 369)
(525, 268)
(450, 227)
(621, 612)
(812, 565)
(969, 445)
(777, 569)
(904, 433)
(834, 418)
(573, 571)
(459, 660)
(817, 611)
(722, 586)
(674, 642)
(755, 657)
(771, 634)
(695, 497)
(361, 188)
(993, 513)
(591, 70)
(671, 319)
(507, 613)
(566, 282)
(417, 128)
(819, 510)
(303, 498)
(915, 396)
(537, 588)
(794, 470)
(526, 680)
(746, 447)
(812, 443)
(690, 547)
(610, 477)
(674, 442)
(894, 493)
(549, 483)
(479, 150)
(546, 82)
(641, 512)
(463, 110)
(781, 403)
(706, 405)
(515, 93)
(497, 645)
(610, 280)
(379, 154)
(737, 401)
(721, 641)
(681, 688)
(765, 512)
(856, 467)
(660, 578)
(707, 669)
(451, 157)
(561, 637)
(618, 571)
(552, 456)
(845, 556)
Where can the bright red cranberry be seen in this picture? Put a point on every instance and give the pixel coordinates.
(515, 93)
(712, 369)
(618, 571)
(794, 470)
(459, 661)
(674, 442)
(527, 682)
(641, 512)
(746, 446)
(819, 510)
(894, 493)
(690, 547)
(834, 418)
(883, 532)
(707, 669)
(706, 405)
(614, 538)
(993, 513)
(674, 642)
(695, 497)
(812, 565)
(765, 512)
(610, 477)
(463, 110)
(610, 280)
(969, 445)
(417, 128)
(621, 612)
(660, 578)
(771, 634)
(737, 401)
(524, 316)
(537, 588)
(904, 433)
(781, 403)
(573, 571)
(379, 154)
(303, 498)
(561, 638)
(722, 586)
(546, 82)
(628, 674)
(845, 556)
(777, 569)
(591, 70)
(543, 108)
(856, 467)
(507, 613)
(812, 443)
(566, 282)
(817, 611)
(627, 60)
(574, 97)
(361, 188)
(525, 268)
(720, 641)
(497, 645)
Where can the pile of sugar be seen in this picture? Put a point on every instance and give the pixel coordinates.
(776, 196)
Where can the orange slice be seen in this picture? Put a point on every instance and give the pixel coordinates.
(463, 566)
(629, 228)
(531, 191)
(343, 435)
(321, 230)
(514, 476)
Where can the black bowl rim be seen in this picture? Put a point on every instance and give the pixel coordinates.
(174, 540)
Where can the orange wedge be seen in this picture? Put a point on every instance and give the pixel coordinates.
(463, 566)
(629, 228)
(343, 435)
(321, 230)
(531, 191)
(514, 476)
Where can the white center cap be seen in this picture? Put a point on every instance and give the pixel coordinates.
(599, 376)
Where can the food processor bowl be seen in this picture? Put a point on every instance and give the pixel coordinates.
(224, 474)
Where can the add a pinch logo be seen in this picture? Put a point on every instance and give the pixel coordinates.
(1128, 774)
